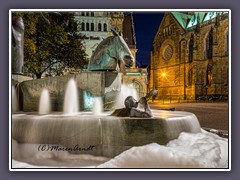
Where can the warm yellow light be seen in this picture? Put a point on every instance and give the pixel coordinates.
(163, 74)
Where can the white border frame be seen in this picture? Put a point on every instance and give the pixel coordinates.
(121, 10)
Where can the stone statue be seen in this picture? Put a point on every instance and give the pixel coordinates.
(131, 105)
(17, 44)
(111, 54)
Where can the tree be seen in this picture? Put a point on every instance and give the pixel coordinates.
(73, 55)
(51, 42)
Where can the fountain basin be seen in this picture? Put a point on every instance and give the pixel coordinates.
(106, 135)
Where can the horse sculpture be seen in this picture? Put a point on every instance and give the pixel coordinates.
(111, 54)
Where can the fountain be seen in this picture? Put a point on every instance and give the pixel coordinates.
(97, 108)
(107, 135)
(71, 98)
(44, 104)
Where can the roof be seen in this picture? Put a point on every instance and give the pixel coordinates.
(194, 18)
(129, 31)
(182, 18)
(187, 20)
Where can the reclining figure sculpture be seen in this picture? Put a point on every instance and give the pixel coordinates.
(131, 105)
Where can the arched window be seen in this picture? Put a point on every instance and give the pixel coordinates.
(105, 27)
(209, 75)
(87, 27)
(182, 51)
(99, 27)
(190, 49)
(170, 30)
(137, 87)
(83, 26)
(190, 76)
(92, 13)
(209, 45)
(92, 26)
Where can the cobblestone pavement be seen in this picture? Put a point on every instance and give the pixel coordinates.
(210, 114)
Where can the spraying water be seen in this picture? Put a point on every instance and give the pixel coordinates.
(97, 106)
(14, 100)
(71, 98)
(44, 103)
(125, 92)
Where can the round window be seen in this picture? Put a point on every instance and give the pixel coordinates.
(168, 52)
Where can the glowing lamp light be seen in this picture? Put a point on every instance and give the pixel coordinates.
(163, 74)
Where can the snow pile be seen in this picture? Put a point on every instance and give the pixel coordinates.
(201, 150)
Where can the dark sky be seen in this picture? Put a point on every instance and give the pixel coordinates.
(146, 25)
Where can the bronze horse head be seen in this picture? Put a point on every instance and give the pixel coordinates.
(111, 54)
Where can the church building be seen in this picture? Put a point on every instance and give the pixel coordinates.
(190, 56)
(96, 26)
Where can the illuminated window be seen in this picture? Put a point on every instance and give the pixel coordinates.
(190, 50)
(209, 75)
(209, 45)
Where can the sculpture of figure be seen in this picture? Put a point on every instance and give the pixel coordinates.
(111, 54)
(146, 107)
(17, 44)
(130, 102)
(153, 92)
(131, 105)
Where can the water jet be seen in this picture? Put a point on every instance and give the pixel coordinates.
(44, 104)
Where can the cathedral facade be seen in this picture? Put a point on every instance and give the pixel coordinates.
(96, 26)
(190, 56)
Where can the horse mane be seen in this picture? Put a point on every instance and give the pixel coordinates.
(100, 50)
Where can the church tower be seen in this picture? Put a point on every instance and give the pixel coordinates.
(129, 35)
(117, 21)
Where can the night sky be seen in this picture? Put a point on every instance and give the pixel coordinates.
(146, 25)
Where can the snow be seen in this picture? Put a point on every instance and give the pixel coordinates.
(200, 150)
